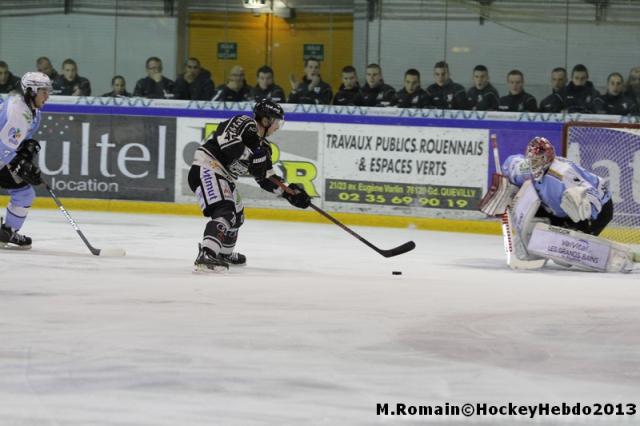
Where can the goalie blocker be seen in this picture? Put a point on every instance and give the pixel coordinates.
(537, 239)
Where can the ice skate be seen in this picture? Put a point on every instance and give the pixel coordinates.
(10, 239)
(234, 259)
(207, 261)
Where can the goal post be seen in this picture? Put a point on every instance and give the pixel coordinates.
(612, 151)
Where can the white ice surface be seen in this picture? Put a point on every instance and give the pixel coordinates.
(315, 330)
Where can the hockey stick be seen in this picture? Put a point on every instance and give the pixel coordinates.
(507, 226)
(401, 249)
(95, 251)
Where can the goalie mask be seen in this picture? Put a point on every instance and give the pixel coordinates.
(540, 154)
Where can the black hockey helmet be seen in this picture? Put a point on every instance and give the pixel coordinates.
(268, 108)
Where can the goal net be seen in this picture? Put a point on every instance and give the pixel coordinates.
(613, 152)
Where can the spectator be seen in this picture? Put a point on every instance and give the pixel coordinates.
(43, 64)
(412, 95)
(118, 88)
(195, 83)
(375, 93)
(311, 90)
(517, 99)
(615, 101)
(70, 83)
(633, 85)
(579, 95)
(154, 85)
(265, 87)
(482, 96)
(444, 93)
(9, 83)
(236, 89)
(553, 102)
(349, 87)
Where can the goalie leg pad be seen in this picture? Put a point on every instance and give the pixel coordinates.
(498, 197)
(581, 250)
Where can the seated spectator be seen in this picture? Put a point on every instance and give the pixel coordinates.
(43, 65)
(118, 88)
(517, 99)
(482, 96)
(444, 93)
(375, 93)
(349, 87)
(412, 95)
(553, 102)
(9, 83)
(70, 83)
(633, 85)
(236, 89)
(311, 90)
(579, 95)
(265, 87)
(615, 101)
(195, 83)
(154, 85)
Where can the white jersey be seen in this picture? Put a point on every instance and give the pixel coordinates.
(562, 174)
(17, 123)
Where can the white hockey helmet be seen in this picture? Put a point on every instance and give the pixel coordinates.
(35, 81)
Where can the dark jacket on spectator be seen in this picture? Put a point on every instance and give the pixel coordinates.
(486, 99)
(112, 95)
(225, 94)
(273, 92)
(320, 94)
(64, 87)
(345, 96)
(13, 83)
(616, 105)
(579, 98)
(417, 99)
(450, 96)
(520, 103)
(633, 95)
(200, 89)
(382, 95)
(552, 103)
(148, 88)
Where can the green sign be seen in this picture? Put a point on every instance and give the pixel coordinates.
(227, 50)
(313, 51)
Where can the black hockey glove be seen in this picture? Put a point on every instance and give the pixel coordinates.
(26, 170)
(22, 164)
(260, 162)
(299, 198)
(28, 149)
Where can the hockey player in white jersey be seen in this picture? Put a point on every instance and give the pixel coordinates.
(238, 147)
(19, 121)
(559, 210)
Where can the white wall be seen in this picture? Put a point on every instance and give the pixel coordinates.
(101, 45)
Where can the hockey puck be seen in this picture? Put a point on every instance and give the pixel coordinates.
(396, 273)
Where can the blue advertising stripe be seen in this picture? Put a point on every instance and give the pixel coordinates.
(307, 117)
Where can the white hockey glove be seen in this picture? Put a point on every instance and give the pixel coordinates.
(499, 196)
(575, 203)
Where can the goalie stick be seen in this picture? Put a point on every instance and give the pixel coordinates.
(507, 225)
(401, 249)
(95, 251)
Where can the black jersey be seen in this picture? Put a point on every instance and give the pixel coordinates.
(449, 96)
(521, 102)
(485, 99)
(232, 145)
(417, 99)
(616, 104)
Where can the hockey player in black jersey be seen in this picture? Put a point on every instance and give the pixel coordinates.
(238, 147)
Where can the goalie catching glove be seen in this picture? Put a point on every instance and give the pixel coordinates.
(575, 203)
(299, 198)
(499, 197)
(22, 164)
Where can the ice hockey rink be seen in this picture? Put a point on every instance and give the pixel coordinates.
(314, 330)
